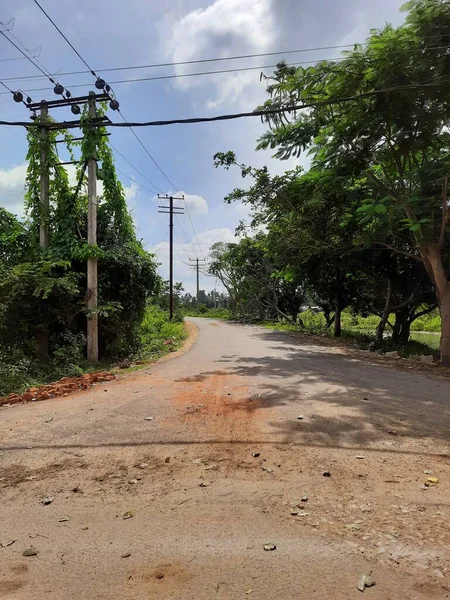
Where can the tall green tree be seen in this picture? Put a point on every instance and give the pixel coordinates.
(381, 116)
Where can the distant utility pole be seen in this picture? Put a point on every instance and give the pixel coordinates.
(171, 210)
(92, 276)
(44, 229)
(198, 262)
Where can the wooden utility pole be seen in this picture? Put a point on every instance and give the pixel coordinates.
(44, 238)
(42, 332)
(173, 210)
(197, 266)
(92, 280)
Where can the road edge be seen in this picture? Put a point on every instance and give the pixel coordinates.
(189, 342)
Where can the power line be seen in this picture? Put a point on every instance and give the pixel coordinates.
(255, 113)
(42, 70)
(67, 40)
(95, 75)
(17, 95)
(201, 73)
(11, 59)
(146, 151)
(100, 83)
(216, 59)
(227, 117)
(133, 180)
(157, 189)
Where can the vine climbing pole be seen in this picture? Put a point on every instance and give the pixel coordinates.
(44, 182)
(42, 334)
(92, 280)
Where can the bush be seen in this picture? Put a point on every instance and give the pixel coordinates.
(68, 356)
(14, 374)
(156, 328)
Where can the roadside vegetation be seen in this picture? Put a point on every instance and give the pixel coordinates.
(366, 230)
(43, 291)
(156, 336)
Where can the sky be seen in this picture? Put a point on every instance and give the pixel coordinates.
(110, 34)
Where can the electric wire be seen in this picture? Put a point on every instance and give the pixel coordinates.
(227, 117)
(217, 59)
(41, 69)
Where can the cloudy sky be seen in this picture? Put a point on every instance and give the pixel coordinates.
(109, 34)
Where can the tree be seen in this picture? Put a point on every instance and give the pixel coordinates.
(380, 117)
(42, 291)
(257, 288)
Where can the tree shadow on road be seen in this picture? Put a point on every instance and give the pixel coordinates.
(344, 400)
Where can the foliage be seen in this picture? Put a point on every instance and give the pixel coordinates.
(367, 227)
(156, 329)
(43, 290)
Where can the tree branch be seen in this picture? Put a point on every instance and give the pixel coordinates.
(424, 312)
(414, 256)
(445, 211)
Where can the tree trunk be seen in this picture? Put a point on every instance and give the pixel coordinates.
(337, 319)
(338, 310)
(402, 327)
(445, 326)
(385, 315)
(432, 258)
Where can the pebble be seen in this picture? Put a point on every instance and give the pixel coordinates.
(256, 454)
(304, 498)
(133, 481)
(63, 520)
(47, 501)
(300, 418)
(148, 418)
(143, 465)
(270, 547)
(326, 474)
(125, 555)
(30, 552)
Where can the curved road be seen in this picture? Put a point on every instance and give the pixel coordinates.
(207, 457)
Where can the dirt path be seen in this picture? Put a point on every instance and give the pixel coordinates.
(217, 472)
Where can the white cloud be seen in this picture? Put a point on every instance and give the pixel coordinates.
(196, 204)
(12, 189)
(225, 28)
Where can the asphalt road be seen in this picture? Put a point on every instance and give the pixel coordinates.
(208, 454)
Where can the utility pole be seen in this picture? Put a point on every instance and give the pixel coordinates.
(197, 266)
(42, 332)
(44, 238)
(92, 278)
(172, 210)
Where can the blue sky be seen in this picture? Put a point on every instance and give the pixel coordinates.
(114, 34)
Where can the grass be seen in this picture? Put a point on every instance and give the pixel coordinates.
(18, 373)
(156, 329)
(359, 332)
